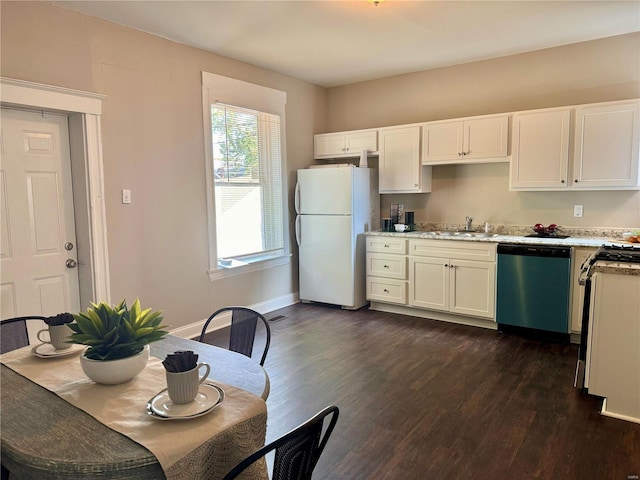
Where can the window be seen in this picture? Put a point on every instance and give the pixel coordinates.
(244, 131)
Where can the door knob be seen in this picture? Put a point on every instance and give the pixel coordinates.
(71, 263)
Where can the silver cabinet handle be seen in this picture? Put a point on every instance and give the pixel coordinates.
(386, 266)
(71, 263)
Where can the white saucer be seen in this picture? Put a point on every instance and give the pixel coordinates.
(162, 408)
(46, 350)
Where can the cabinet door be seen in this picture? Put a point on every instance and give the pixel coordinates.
(356, 142)
(429, 283)
(442, 142)
(329, 144)
(400, 170)
(613, 366)
(606, 146)
(486, 138)
(540, 147)
(472, 287)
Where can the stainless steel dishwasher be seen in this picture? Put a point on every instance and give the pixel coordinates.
(533, 290)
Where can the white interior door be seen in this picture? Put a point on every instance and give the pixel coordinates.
(36, 214)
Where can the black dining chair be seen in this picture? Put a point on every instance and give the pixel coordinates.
(297, 452)
(13, 332)
(244, 323)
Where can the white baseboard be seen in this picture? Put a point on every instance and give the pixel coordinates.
(433, 315)
(193, 330)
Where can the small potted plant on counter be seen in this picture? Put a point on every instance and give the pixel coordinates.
(117, 338)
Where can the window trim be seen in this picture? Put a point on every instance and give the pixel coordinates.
(219, 89)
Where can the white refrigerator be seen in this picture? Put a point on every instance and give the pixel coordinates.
(335, 206)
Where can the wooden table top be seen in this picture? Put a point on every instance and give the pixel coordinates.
(56, 441)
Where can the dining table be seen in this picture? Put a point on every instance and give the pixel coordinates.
(56, 423)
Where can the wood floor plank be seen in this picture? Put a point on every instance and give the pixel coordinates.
(421, 399)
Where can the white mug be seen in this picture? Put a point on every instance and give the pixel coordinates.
(183, 386)
(58, 335)
(401, 227)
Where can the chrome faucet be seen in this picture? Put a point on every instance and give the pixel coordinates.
(468, 221)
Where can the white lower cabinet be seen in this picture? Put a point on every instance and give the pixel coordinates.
(453, 283)
(456, 277)
(387, 270)
(613, 358)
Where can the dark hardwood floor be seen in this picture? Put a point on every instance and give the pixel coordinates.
(421, 399)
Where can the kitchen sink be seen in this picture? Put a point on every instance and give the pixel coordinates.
(455, 233)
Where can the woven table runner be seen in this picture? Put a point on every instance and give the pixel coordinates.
(203, 447)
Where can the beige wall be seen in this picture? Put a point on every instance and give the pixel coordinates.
(153, 140)
(588, 72)
(153, 144)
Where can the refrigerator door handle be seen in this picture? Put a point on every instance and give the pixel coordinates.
(297, 228)
(296, 197)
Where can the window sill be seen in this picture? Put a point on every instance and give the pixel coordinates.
(238, 267)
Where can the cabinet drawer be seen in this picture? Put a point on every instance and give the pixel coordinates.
(464, 250)
(387, 265)
(387, 245)
(386, 290)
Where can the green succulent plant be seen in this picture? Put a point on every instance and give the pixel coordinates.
(113, 332)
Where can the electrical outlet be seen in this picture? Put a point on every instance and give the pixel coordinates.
(126, 196)
(577, 210)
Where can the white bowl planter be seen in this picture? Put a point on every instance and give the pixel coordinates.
(113, 372)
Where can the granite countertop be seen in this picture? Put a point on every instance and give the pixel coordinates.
(616, 268)
(587, 237)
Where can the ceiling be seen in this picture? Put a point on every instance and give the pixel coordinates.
(333, 43)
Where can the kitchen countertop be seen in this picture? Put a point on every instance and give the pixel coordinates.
(518, 239)
(615, 268)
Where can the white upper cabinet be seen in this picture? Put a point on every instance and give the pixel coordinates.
(588, 147)
(606, 146)
(471, 140)
(540, 149)
(344, 144)
(400, 170)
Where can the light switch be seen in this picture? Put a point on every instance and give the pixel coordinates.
(126, 196)
(577, 210)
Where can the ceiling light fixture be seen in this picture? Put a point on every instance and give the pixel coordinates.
(375, 2)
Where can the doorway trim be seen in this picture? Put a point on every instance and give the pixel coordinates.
(84, 110)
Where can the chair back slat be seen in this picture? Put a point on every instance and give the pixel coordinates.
(297, 458)
(243, 331)
(14, 333)
(244, 324)
(297, 452)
